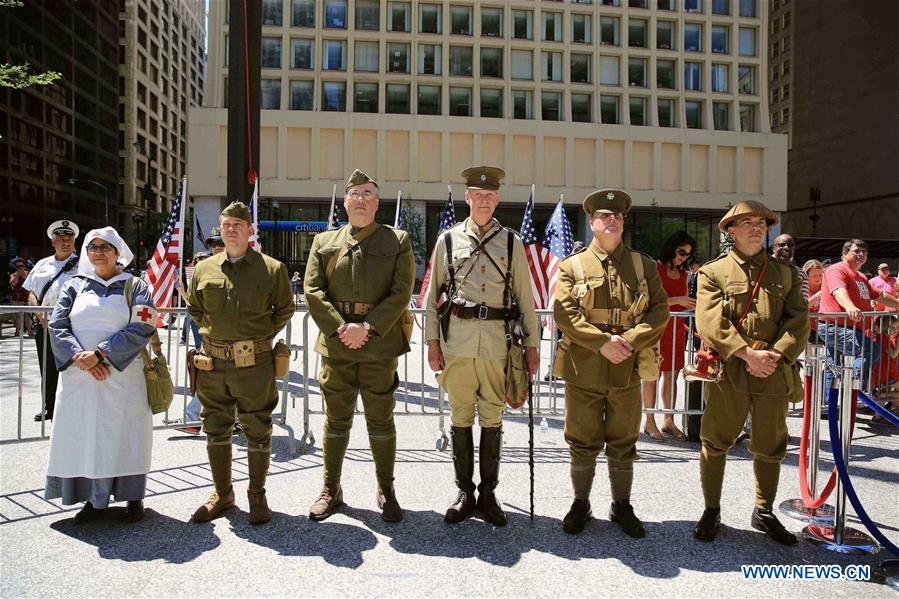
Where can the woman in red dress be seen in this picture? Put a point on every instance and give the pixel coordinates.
(672, 269)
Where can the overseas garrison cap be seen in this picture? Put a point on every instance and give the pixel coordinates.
(747, 208)
(62, 227)
(359, 178)
(483, 177)
(612, 201)
(238, 210)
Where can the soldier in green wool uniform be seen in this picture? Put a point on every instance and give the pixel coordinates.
(358, 285)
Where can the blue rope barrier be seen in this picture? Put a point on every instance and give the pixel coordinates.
(837, 448)
(879, 409)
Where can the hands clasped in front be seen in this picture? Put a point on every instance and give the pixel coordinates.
(353, 335)
(88, 362)
(761, 363)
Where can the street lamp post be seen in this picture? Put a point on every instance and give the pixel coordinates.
(137, 219)
(105, 195)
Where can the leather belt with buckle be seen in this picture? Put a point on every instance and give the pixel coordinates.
(353, 308)
(480, 312)
(222, 351)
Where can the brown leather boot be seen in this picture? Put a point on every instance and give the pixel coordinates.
(463, 464)
(390, 507)
(259, 512)
(488, 461)
(329, 500)
(223, 497)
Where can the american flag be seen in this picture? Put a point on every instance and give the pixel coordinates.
(334, 216)
(254, 214)
(447, 220)
(544, 256)
(164, 267)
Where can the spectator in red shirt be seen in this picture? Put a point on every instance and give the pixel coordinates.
(846, 290)
(884, 282)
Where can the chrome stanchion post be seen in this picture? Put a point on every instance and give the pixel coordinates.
(840, 538)
(795, 508)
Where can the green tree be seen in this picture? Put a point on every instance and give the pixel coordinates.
(19, 76)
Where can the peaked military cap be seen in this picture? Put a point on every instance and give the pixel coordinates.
(612, 201)
(744, 209)
(359, 178)
(238, 210)
(62, 227)
(483, 177)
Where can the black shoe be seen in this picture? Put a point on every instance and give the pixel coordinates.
(46, 416)
(87, 513)
(744, 436)
(490, 509)
(134, 512)
(767, 522)
(390, 507)
(461, 509)
(576, 518)
(707, 527)
(622, 513)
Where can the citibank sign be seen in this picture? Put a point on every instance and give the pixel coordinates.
(295, 226)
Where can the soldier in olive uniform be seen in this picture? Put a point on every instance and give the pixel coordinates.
(471, 357)
(760, 371)
(358, 285)
(611, 315)
(240, 299)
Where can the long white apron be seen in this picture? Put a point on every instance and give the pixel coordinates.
(101, 429)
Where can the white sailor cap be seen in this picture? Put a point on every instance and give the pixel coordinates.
(62, 227)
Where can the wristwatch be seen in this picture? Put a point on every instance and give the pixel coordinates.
(99, 356)
(367, 326)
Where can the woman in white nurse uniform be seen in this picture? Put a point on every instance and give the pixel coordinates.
(102, 429)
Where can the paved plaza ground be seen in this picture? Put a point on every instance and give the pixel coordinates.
(354, 553)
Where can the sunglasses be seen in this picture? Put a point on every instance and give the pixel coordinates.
(683, 253)
(100, 249)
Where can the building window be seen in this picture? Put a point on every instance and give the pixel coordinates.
(523, 24)
(775, 120)
(301, 93)
(522, 104)
(366, 56)
(786, 91)
(368, 15)
(692, 37)
(665, 78)
(775, 95)
(335, 14)
(301, 54)
(302, 13)
(693, 112)
(460, 61)
(665, 4)
(492, 103)
(270, 96)
(693, 5)
(747, 41)
(398, 59)
(522, 65)
(608, 109)
(746, 79)
(636, 33)
(460, 101)
(334, 55)
(430, 59)
(428, 99)
(608, 70)
(365, 97)
(636, 72)
(271, 52)
(785, 67)
(609, 31)
(397, 98)
(491, 62)
(581, 29)
(747, 8)
(665, 36)
(693, 76)
(581, 105)
(430, 18)
(786, 20)
(721, 7)
(460, 17)
(610, 2)
(581, 68)
(666, 112)
(785, 116)
(719, 39)
(638, 111)
(552, 26)
(551, 106)
(720, 78)
(492, 22)
(747, 118)
(552, 66)
(334, 96)
(399, 16)
(272, 12)
(719, 115)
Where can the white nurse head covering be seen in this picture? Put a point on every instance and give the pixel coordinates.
(110, 236)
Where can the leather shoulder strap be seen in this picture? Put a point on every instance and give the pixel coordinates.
(356, 239)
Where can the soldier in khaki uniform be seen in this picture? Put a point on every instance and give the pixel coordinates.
(471, 357)
(612, 315)
(358, 285)
(760, 371)
(240, 299)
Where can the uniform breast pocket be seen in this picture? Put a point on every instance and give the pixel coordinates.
(214, 294)
(771, 299)
(460, 257)
(736, 293)
(326, 254)
(380, 262)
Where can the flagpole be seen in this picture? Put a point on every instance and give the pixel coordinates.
(333, 203)
(183, 233)
(399, 209)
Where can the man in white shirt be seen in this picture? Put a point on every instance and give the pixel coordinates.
(44, 284)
